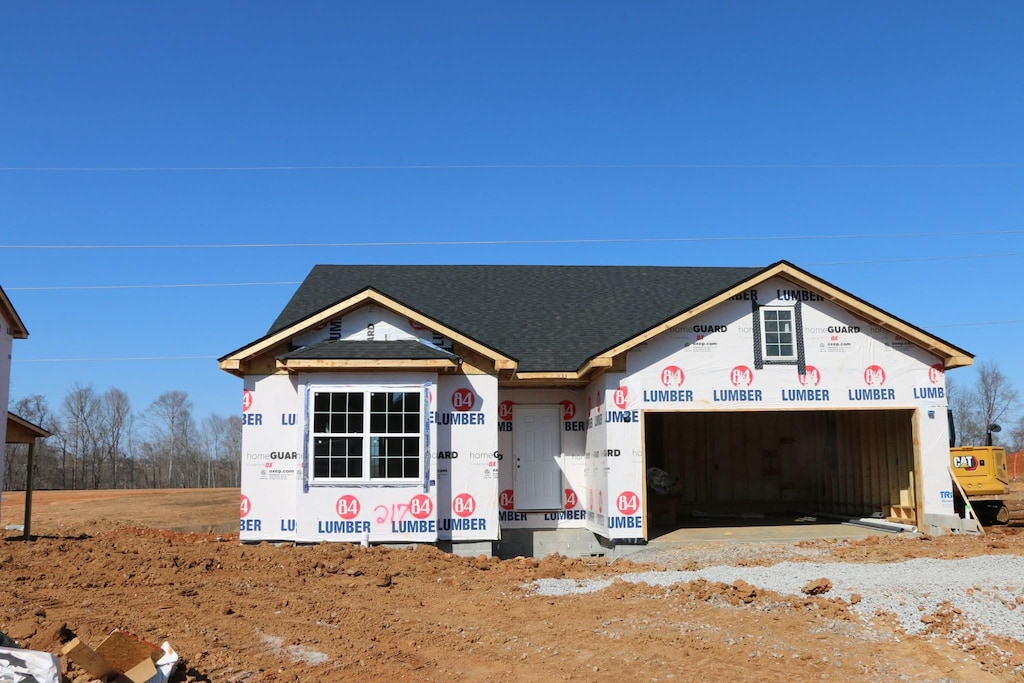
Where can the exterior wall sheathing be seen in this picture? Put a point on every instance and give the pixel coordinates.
(457, 497)
(858, 420)
(6, 347)
(885, 396)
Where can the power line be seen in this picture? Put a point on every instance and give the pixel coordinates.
(991, 322)
(115, 359)
(910, 259)
(495, 167)
(142, 287)
(528, 242)
(73, 288)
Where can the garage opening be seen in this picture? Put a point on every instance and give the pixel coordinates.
(747, 468)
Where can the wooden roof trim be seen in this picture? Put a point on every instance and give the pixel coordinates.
(233, 366)
(544, 379)
(233, 362)
(449, 332)
(260, 345)
(606, 358)
(18, 329)
(957, 362)
(952, 356)
(535, 376)
(367, 364)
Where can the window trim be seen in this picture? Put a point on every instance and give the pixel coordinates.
(789, 358)
(367, 390)
(760, 359)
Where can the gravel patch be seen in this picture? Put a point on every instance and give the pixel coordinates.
(694, 555)
(989, 590)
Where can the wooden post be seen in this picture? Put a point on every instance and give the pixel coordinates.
(28, 489)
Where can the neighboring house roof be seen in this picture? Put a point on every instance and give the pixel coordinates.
(20, 430)
(11, 316)
(550, 319)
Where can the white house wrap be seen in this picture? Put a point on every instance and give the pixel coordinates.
(11, 328)
(446, 404)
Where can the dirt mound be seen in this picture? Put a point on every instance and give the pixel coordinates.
(340, 612)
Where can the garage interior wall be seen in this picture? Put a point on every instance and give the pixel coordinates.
(839, 461)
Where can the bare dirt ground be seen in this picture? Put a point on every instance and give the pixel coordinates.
(158, 564)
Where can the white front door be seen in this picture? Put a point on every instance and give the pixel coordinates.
(537, 448)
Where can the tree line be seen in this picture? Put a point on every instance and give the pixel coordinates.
(98, 442)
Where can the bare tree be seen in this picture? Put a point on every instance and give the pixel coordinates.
(991, 400)
(95, 443)
(115, 422)
(222, 439)
(961, 403)
(1016, 442)
(175, 441)
(997, 398)
(213, 438)
(36, 410)
(233, 452)
(80, 407)
(14, 466)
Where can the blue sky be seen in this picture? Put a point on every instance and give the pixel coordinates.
(878, 143)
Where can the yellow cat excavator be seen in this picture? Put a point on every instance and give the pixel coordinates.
(981, 474)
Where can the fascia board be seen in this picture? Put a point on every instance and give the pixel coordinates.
(951, 355)
(234, 360)
(18, 329)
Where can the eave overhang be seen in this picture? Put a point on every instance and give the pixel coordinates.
(20, 430)
(18, 329)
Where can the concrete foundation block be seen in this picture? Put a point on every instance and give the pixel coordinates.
(566, 542)
(937, 525)
(467, 548)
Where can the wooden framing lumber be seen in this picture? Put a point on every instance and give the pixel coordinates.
(236, 361)
(87, 659)
(967, 503)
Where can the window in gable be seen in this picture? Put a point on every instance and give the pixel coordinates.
(779, 335)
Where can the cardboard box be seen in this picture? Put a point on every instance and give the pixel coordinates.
(121, 657)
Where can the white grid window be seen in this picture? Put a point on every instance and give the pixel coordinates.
(373, 435)
(779, 336)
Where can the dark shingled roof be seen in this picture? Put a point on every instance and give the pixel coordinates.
(397, 349)
(548, 318)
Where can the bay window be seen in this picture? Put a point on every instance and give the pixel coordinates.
(366, 435)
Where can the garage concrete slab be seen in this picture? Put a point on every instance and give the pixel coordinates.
(723, 533)
(774, 529)
(773, 533)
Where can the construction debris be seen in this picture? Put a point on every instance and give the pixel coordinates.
(123, 657)
(28, 666)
